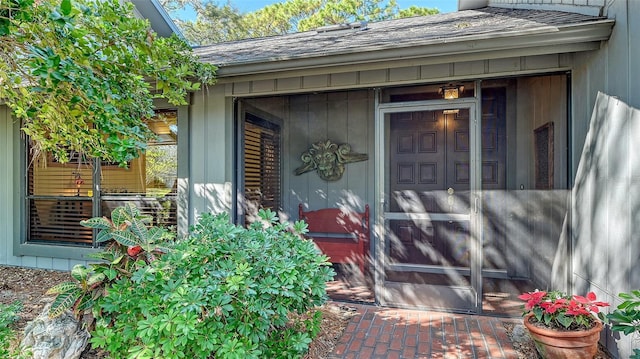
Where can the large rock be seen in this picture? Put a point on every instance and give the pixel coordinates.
(63, 337)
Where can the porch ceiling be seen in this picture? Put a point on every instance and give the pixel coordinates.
(485, 33)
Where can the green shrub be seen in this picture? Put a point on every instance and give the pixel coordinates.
(131, 245)
(626, 318)
(8, 316)
(225, 292)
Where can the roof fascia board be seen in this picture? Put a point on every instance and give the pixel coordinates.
(467, 57)
(560, 40)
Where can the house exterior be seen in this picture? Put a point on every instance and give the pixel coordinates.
(494, 146)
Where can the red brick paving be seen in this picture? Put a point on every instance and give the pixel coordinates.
(387, 333)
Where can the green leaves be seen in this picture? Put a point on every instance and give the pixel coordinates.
(564, 320)
(8, 316)
(80, 75)
(631, 300)
(226, 291)
(65, 6)
(126, 228)
(68, 294)
(626, 318)
(96, 222)
(12, 13)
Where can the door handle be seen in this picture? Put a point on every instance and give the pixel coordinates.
(475, 204)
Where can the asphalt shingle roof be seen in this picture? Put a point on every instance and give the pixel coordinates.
(400, 33)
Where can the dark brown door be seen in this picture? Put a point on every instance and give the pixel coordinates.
(429, 254)
(429, 164)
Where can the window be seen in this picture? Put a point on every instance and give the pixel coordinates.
(60, 195)
(261, 165)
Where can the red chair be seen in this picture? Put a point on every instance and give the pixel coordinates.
(342, 236)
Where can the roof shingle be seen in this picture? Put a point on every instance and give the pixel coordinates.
(391, 34)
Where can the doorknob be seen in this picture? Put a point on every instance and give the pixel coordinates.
(450, 198)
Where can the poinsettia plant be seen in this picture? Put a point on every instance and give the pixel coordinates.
(558, 310)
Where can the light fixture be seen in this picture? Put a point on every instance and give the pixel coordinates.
(451, 91)
(78, 181)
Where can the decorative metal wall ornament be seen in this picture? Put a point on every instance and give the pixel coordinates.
(328, 159)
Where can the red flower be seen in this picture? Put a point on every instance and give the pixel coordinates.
(552, 307)
(576, 308)
(556, 309)
(532, 298)
(134, 251)
(590, 302)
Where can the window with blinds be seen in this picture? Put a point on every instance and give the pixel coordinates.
(60, 195)
(261, 164)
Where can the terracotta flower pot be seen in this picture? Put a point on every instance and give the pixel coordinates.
(557, 344)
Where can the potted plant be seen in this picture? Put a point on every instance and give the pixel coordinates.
(626, 318)
(562, 325)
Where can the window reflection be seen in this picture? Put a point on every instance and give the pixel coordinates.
(60, 195)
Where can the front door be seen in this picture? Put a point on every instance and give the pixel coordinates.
(429, 207)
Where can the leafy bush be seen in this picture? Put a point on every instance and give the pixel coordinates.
(8, 316)
(224, 292)
(626, 318)
(131, 245)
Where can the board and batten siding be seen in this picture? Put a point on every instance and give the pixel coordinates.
(587, 7)
(605, 165)
(409, 73)
(341, 117)
(210, 152)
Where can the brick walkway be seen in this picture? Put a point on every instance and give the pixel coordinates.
(390, 333)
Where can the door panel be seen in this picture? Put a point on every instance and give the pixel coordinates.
(429, 162)
(430, 174)
(444, 243)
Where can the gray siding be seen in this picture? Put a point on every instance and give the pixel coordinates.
(342, 117)
(587, 7)
(211, 152)
(606, 195)
(407, 73)
(604, 160)
(606, 205)
(6, 189)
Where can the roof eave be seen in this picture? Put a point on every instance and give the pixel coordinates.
(571, 38)
(158, 17)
